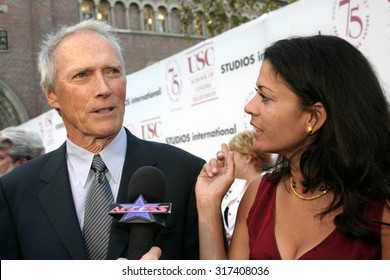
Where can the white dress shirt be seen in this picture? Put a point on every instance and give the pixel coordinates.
(230, 204)
(79, 163)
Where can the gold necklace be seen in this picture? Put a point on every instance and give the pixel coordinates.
(292, 186)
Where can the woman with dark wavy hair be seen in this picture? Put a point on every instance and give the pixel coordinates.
(320, 107)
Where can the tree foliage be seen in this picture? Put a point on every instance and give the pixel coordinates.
(212, 17)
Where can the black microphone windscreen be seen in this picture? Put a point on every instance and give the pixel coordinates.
(151, 183)
(148, 181)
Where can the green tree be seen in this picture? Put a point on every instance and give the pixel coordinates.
(212, 17)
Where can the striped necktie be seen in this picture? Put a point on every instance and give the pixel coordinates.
(97, 221)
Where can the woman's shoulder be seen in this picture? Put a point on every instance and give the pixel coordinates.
(385, 233)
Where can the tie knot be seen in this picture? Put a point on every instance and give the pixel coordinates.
(98, 164)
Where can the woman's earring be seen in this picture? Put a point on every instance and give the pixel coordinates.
(309, 130)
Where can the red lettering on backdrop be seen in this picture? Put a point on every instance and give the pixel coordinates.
(201, 59)
(354, 22)
(151, 130)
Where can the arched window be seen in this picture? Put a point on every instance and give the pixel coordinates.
(198, 24)
(161, 22)
(134, 15)
(175, 21)
(119, 15)
(12, 110)
(87, 9)
(103, 11)
(148, 18)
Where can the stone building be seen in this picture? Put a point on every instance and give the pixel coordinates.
(149, 30)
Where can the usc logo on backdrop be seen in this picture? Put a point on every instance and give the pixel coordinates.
(151, 129)
(200, 59)
(202, 79)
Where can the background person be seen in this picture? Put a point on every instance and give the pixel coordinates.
(250, 165)
(18, 146)
(44, 203)
(320, 107)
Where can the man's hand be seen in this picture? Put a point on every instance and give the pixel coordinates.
(153, 254)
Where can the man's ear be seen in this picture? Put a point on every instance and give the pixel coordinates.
(51, 98)
(317, 117)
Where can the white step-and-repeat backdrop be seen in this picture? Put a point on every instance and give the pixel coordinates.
(195, 99)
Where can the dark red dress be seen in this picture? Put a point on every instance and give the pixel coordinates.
(262, 241)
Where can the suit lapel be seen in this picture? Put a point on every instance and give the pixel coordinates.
(57, 199)
(137, 155)
(57, 202)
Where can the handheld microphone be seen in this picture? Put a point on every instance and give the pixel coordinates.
(145, 214)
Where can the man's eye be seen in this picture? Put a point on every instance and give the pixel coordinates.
(114, 70)
(80, 75)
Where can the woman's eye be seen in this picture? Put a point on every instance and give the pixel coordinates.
(262, 95)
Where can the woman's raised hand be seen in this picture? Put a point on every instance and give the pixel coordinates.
(216, 176)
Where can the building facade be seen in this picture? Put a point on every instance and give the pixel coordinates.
(149, 30)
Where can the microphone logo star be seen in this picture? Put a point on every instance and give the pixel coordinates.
(140, 202)
(140, 211)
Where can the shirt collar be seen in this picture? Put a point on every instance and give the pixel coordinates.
(113, 156)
